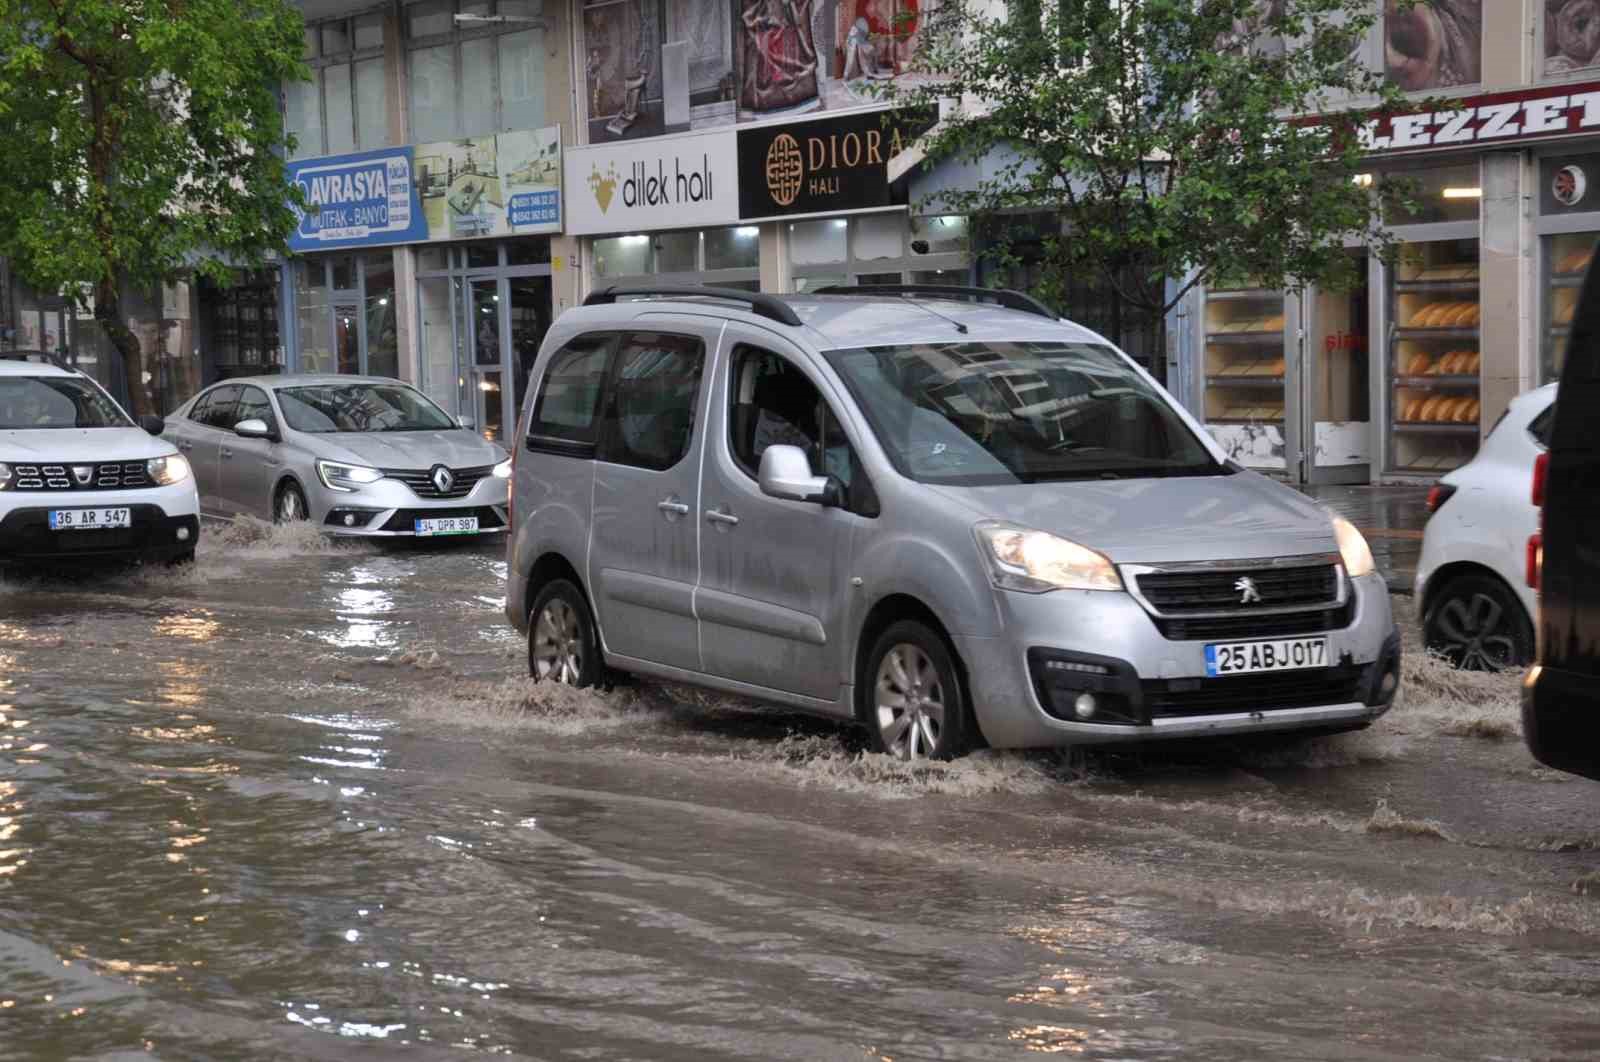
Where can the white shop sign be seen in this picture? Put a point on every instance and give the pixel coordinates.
(659, 183)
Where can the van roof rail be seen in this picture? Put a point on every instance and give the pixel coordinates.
(760, 304)
(1011, 300)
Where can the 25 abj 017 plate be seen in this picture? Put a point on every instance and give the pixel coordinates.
(1283, 654)
(89, 519)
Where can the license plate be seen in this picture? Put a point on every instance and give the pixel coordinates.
(448, 525)
(1286, 654)
(89, 519)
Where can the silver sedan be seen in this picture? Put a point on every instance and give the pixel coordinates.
(356, 455)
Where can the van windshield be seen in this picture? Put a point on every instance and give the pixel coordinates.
(982, 414)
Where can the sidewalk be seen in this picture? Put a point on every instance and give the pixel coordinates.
(1391, 518)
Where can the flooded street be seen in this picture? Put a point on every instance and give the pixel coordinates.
(300, 795)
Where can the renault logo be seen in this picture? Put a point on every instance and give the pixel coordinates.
(1248, 594)
(442, 479)
(84, 474)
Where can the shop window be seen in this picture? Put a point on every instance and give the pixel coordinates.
(939, 234)
(533, 250)
(383, 343)
(1445, 193)
(344, 107)
(473, 77)
(738, 247)
(677, 252)
(1435, 361)
(878, 236)
(1566, 260)
(818, 242)
(877, 249)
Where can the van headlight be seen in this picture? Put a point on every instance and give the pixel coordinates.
(344, 478)
(1352, 549)
(1036, 562)
(165, 471)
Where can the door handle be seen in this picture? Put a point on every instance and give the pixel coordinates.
(670, 506)
(717, 516)
(226, 452)
(186, 446)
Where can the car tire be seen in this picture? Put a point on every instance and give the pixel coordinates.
(1477, 624)
(915, 705)
(562, 646)
(289, 505)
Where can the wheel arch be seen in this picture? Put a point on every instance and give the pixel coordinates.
(285, 479)
(1449, 573)
(885, 612)
(549, 566)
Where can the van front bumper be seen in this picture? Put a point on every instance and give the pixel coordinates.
(1147, 687)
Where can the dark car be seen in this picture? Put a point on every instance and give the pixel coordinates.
(1561, 697)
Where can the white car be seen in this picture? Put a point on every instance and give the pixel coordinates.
(1472, 584)
(79, 479)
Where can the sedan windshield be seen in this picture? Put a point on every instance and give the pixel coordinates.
(980, 414)
(360, 407)
(30, 402)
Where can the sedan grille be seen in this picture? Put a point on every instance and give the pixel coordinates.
(110, 475)
(422, 484)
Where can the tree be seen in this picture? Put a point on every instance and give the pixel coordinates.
(141, 141)
(1158, 131)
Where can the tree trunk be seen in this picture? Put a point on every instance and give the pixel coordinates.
(108, 311)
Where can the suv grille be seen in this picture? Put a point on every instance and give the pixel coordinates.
(420, 480)
(114, 475)
(1205, 603)
(1248, 693)
(1217, 591)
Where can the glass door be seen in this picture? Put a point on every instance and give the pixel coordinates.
(486, 374)
(1245, 365)
(1334, 410)
(1434, 361)
(529, 321)
(347, 337)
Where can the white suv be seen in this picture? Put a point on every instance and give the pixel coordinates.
(78, 479)
(1476, 600)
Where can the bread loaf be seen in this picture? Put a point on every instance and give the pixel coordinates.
(1464, 413)
(1430, 408)
(1472, 365)
(1418, 365)
(1411, 408)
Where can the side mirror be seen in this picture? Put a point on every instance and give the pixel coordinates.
(254, 428)
(152, 424)
(463, 421)
(786, 473)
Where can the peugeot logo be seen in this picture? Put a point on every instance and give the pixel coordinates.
(84, 474)
(1248, 594)
(443, 479)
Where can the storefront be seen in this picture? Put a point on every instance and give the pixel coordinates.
(431, 263)
(1402, 377)
(776, 207)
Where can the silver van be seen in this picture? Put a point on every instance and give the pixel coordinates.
(943, 513)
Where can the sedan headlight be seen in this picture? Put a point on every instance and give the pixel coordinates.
(503, 469)
(1352, 548)
(346, 478)
(165, 471)
(1036, 562)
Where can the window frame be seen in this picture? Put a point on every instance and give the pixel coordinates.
(350, 59)
(212, 407)
(608, 445)
(453, 39)
(556, 445)
(860, 497)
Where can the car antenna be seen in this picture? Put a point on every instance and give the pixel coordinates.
(921, 306)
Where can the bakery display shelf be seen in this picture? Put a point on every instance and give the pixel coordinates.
(1244, 294)
(1436, 285)
(1436, 333)
(1244, 420)
(1429, 427)
(1241, 380)
(1440, 382)
(1275, 337)
(1567, 280)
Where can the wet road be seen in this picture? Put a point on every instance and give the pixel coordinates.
(299, 796)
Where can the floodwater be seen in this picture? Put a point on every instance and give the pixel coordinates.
(300, 801)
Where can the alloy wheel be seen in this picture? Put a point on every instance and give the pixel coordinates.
(1474, 631)
(291, 506)
(557, 644)
(910, 701)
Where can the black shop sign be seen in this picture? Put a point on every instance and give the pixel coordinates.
(824, 166)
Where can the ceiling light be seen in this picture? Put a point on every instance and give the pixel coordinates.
(1463, 193)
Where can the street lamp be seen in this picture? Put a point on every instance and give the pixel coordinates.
(527, 20)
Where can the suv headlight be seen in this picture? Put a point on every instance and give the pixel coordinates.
(165, 471)
(503, 469)
(346, 478)
(1352, 549)
(5, 476)
(1036, 562)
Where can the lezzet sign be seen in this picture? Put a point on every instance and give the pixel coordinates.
(1502, 117)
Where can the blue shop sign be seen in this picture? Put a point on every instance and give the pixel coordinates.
(367, 199)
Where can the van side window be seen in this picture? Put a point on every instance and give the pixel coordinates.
(772, 402)
(650, 412)
(569, 395)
